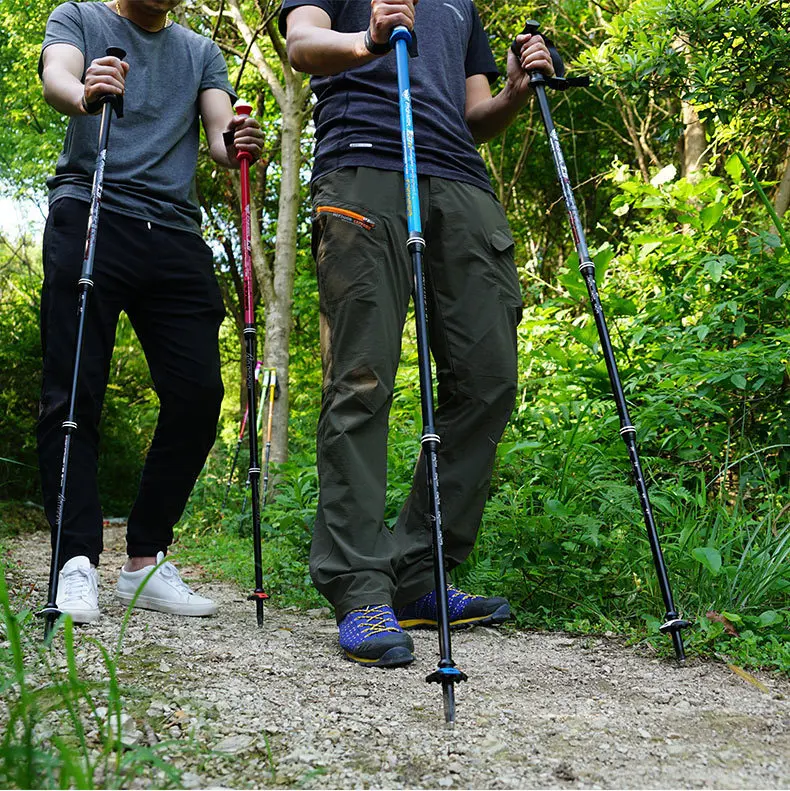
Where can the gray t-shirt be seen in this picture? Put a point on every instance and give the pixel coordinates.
(357, 116)
(152, 155)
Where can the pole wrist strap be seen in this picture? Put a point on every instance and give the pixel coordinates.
(374, 48)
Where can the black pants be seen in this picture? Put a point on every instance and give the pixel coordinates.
(164, 280)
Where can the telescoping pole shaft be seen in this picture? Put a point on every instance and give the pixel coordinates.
(250, 332)
(447, 674)
(242, 430)
(673, 623)
(50, 612)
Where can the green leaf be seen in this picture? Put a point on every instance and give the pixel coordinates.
(769, 618)
(588, 334)
(710, 215)
(556, 508)
(621, 210)
(714, 267)
(782, 289)
(740, 326)
(709, 557)
(739, 381)
(648, 248)
(702, 331)
(602, 259)
(618, 306)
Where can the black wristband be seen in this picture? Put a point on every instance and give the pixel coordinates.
(228, 138)
(373, 48)
(91, 108)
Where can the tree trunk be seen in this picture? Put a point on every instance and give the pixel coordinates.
(694, 142)
(279, 308)
(694, 151)
(275, 277)
(782, 199)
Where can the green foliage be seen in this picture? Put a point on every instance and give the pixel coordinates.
(20, 361)
(218, 534)
(32, 131)
(696, 296)
(61, 731)
(726, 57)
(129, 410)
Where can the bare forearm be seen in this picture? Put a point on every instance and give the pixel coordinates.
(63, 91)
(219, 153)
(490, 118)
(322, 52)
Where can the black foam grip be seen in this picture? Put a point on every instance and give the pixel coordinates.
(531, 27)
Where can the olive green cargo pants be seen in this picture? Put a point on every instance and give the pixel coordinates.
(474, 305)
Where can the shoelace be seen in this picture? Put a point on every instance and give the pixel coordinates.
(77, 584)
(462, 594)
(169, 570)
(375, 620)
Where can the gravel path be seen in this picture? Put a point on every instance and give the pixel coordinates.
(539, 710)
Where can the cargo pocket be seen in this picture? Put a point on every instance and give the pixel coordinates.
(505, 270)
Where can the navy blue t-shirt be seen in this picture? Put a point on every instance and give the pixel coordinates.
(357, 118)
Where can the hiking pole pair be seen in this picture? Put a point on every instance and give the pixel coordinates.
(245, 158)
(446, 674)
(50, 612)
(242, 430)
(673, 623)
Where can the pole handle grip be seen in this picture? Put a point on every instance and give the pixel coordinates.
(114, 99)
(531, 27)
(242, 108)
(401, 33)
(245, 110)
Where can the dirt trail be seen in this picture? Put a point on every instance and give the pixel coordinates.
(539, 710)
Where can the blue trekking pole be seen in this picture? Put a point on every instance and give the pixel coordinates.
(446, 674)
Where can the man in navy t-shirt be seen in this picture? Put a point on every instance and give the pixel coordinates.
(380, 581)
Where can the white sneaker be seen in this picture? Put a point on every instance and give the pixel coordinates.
(78, 590)
(165, 591)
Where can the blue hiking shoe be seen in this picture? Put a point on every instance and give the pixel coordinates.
(464, 610)
(372, 637)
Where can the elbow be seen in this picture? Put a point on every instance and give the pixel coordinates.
(478, 133)
(45, 88)
(296, 54)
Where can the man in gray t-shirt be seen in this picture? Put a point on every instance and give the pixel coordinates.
(151, 262)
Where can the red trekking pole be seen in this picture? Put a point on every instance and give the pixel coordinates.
(250, 333)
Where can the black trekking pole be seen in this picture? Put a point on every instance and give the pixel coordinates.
(673, 623)
(50, 612)
(271, 390)
(242, 431)
(258, 595)
(446, 674)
